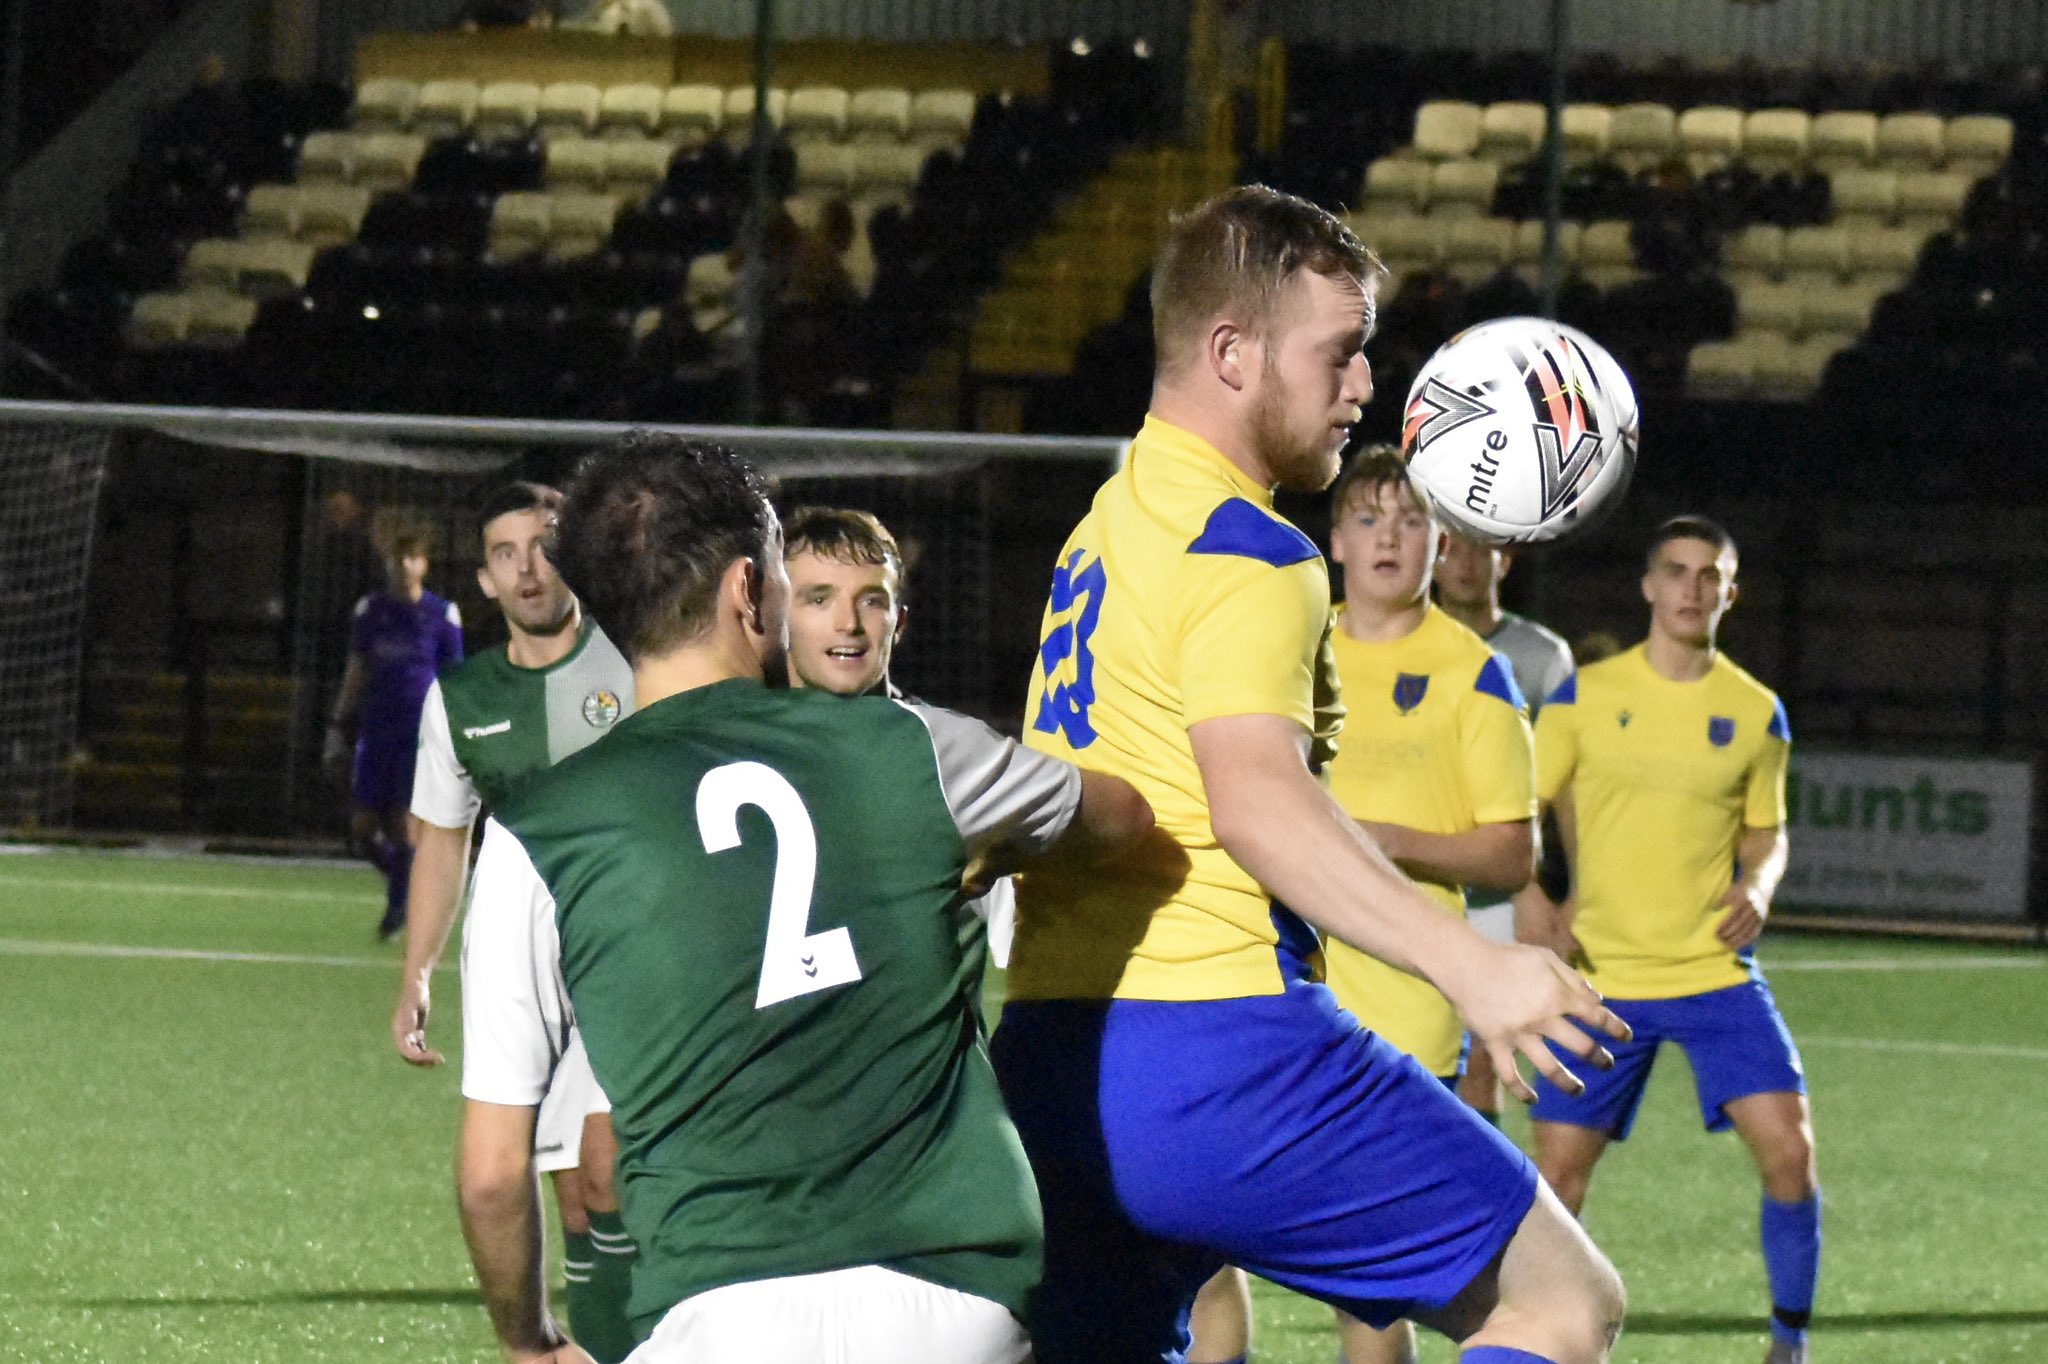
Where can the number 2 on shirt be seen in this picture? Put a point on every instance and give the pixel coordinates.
(1076, 605)
(793, 962)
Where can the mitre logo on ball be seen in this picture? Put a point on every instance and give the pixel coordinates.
(1520, 431)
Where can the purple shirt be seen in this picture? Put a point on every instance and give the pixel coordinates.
(403, 646)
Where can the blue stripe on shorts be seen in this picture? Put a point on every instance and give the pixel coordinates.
(1269, 1132)
(1735, 1040)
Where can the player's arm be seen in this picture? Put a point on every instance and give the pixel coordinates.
(348, 702)
(515, 1026)
(1498, 856)
(1762, 850)
(1014, 806)
(445, 803)
(501, 1220)
(1270, 814)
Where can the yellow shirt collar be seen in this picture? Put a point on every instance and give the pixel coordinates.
(1187, 447)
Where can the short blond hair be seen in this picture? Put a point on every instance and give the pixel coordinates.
(1371, 469)
(1232, 254)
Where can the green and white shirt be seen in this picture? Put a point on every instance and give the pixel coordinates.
(489, 724)
(748, 903)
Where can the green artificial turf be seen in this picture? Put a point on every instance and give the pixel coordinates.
(215, 1159)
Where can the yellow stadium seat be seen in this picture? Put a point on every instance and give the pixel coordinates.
(816, 112)
(445, 107)
(1463, 188)
(625, 111)
(879, 113)
(1910, 141)
(1710, 136)
(1776, 139)
(1642, 135)
(387, 104)
(219, 319)
(1842, 139)
(1447, 128)
(507, 109)
(159, 320)
(388, 160)
(1511, 131)
(576, 163)
(692, 112)
(327, 155)
(332, 215)
(568, 108)
(271, 211)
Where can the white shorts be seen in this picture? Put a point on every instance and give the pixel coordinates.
(1495, 922)
(572, 1097)
(863, 1315)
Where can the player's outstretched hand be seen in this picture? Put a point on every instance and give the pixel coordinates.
(1743, 924)
(1527, 999)
(409, 1024)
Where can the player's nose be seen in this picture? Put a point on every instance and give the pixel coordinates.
(1357, 381)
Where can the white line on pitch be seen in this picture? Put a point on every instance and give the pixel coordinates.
(1926, 963)
(181, 888)
(24, 947)
(1932, 1048)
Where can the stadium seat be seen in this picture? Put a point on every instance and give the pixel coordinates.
(879, 113)
(883, 168)
(1462, 188)
(581, 224)
(1842, 139)
(692, 112)
(1817, 255)
(941, 117)
(1527, 256)
(1885, 254)
(385, 104)
(212, 263)
(1407, 242)
(1642, 135)
(1864, 198)
(628, 111)
(1977, 144)
(1511, 131)
(1768, 307)
(1845, 308)
(1587, 130)
(1776, 139)
(331, 215)
(1910, 141)
(274, 267)
(576, 163)
(1727, 369)
(568, 108)
(519, 223)
(445, 107)
(1931, 200)
(1710, 136)
(1606, 256)
(327, 155)
(507, 109)
(1395, 184)
(816, 112)
(1789, 372)
(159, 320)
(219, 319)
(1446, 129)
(824, 167)
(1476, 247)
(1755, 253)
(271, 211)
(739, 112)
(387, 160)
(634, 169)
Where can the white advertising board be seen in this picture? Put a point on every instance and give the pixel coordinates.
(1892, 835)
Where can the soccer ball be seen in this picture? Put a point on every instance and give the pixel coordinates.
(1520, 430)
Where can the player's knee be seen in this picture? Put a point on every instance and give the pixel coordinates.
(1788, 1170)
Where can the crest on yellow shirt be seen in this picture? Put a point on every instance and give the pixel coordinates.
(1720, 731)
(1409, 689)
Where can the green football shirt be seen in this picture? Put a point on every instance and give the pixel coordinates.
(488, 724)
(748, 902)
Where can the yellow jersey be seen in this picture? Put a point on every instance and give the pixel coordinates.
(1664, 777)
(1181, 596)
(1434, 740)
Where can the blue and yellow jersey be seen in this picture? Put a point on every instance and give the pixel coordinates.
(1664, 777)
(1434, 740)
(1182, 596)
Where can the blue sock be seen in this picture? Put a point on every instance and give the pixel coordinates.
(1500, 1354)
(1791, 1239)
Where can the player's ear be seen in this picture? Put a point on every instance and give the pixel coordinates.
(484, 583)
(902, 622)
(1733, 588)
(1228, 350)
(1507, 562)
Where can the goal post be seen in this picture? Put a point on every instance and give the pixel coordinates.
(214, 727)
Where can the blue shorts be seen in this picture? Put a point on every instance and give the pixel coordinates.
(382, 778)
(1734, 1039)
(1273, 1133)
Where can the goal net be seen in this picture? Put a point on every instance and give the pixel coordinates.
(186, 667)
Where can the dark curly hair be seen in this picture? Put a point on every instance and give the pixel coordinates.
(648, 526)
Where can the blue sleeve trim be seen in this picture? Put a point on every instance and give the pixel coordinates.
(1781, 728)
(1498, 679)
(1240, 529)
(1567, 692)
